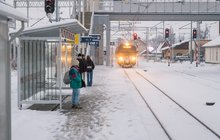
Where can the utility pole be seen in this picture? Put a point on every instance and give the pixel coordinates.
(167, 35)
(199, 38)
(28, 17)
(57, 10)
(73, 15)
(190, 53)
(79, 10)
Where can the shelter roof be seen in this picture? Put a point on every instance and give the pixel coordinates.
(53, 29)
(213, 43)
(8, 12)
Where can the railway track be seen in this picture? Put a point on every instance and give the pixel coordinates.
(160, 91)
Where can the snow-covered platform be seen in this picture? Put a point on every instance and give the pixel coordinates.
(112, 108)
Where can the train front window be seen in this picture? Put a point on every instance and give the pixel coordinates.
(127, 46)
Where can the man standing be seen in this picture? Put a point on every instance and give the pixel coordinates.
(81, 68)
(89, 69)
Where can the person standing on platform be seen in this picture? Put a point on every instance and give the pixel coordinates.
(81, 68)
(75, 83)
(89, 69)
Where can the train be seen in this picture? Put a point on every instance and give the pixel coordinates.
(126, 54)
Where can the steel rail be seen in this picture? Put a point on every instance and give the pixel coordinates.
(160, 123)
(202, 123)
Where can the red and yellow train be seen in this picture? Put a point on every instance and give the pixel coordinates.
(126, 54)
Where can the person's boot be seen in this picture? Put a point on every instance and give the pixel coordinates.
(74, 106)
(78, 107)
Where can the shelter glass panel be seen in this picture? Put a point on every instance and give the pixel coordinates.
(38, 70)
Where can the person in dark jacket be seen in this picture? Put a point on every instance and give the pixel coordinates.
(81, 64)
(82, 69)
(89, 69)
(75, 83)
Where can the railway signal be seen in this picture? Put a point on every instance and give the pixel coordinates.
(194, 33)
(167, 33)
(135, 36)
(49, 6)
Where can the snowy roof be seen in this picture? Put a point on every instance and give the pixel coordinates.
(179, 43)
(8, 12)
(213, 43)
(175, 45)
(165, 48)
(158, 49)
(52, 29)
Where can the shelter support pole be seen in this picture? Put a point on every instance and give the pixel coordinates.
(59, 68)
(5, 86)
(18, 32)
(19, 75)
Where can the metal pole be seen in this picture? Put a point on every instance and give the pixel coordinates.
(19, 75)
(28, 13)
(5, 86)
(57, 10)
(199, 37)
(83, 23)
(83, 13)
(73, 15)
(108, 35)
(79, 11)
(69, 8)
(163, 29)
(169, 56)
(59, 68)
(170, 43)
(190, 53)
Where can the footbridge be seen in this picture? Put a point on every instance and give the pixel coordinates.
(158, 10)
(148, 10)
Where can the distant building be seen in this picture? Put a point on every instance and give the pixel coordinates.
(153, 53)
(183, 48)
(212, 51)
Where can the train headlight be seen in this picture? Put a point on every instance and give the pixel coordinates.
(133, 58)
(120, 58)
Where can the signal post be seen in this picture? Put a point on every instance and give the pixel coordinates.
(167, 34)
(194, 34)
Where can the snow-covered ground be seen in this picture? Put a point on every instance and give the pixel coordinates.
(112, 109)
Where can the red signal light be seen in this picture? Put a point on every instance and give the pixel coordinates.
(49, 6)
(194, 33)
(135, 36)
(167, 33)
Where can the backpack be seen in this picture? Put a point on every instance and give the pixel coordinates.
(66, 78)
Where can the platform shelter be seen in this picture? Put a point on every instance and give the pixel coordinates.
(44, 55)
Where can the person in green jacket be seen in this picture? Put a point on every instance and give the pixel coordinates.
(75, 83)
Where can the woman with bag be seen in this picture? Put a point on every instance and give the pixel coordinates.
(75, 83)
(89, 69)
